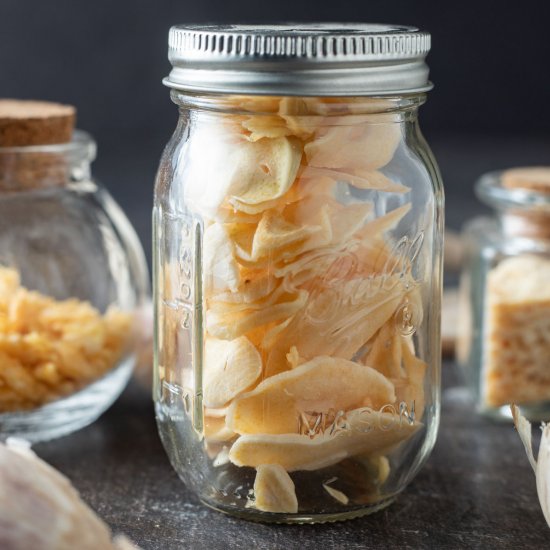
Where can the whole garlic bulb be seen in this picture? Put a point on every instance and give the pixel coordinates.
(40, 509)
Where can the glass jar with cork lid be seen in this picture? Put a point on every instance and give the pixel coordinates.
(72, 277)
(504, 342)
(298, 230)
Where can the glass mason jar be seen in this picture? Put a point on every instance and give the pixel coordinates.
(504, 341)
(297, 271)
(72, 278)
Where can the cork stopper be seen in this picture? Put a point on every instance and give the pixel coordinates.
(530, 223)
(34, 136)
(24, 123)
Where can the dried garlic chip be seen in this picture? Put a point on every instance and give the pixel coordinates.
(362, 431)
(216, 430)
(361, 179)
(385, 354)
(220, 268)
(229, 324)
(365, 146)
(230, 368)
(268, 172)
(265, 126)
(339, 319)
(336, 494)
(413, 393)
(256, 284)
(275, 234)
(322, 385)
(222, 166)
(384, 223)
(274, 490)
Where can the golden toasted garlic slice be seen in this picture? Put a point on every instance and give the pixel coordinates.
(274, 490)
(322, 385)
(230, 368)
(361, 431)
(220, 268)
(365, 146)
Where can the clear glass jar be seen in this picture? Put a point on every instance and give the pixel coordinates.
(72, 278)
(297, 281)
(503, 342)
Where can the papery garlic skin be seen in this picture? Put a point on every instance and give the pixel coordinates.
(543, 473)
(541, 466)
(41, 510)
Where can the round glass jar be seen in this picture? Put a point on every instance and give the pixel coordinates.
(504, 341)
(72, 278)
(297, 272)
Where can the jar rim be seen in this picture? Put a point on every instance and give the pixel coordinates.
(489, 190)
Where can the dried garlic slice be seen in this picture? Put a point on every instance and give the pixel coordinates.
(339, 319)
(322, 385)
(361, 179)
(366, 146)
(362, 431)
(274, 490)
(216, 430)
(220, 268)
(268, 169)
(228, 324)
(385, 354)
(223, 166)
(265, 126)
(230, 368)
(336, 494)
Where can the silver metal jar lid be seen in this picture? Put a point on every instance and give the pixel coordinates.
(303, 59)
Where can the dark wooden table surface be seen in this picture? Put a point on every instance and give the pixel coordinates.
(476, 491)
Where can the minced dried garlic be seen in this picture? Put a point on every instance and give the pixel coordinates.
(515, 366)
(51, 348)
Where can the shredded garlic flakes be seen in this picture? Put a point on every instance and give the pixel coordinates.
(51, 348)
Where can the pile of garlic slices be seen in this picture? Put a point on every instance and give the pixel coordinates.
(302, 288)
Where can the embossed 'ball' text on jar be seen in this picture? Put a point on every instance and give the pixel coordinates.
(298, 232)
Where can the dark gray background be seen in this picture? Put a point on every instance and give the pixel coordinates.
(489, 63)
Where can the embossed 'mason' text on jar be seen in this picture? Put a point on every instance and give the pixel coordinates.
(297, 269)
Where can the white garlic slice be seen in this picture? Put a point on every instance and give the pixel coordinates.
(274, 490)
(322, 385)
(361, 431)
(230, 368)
